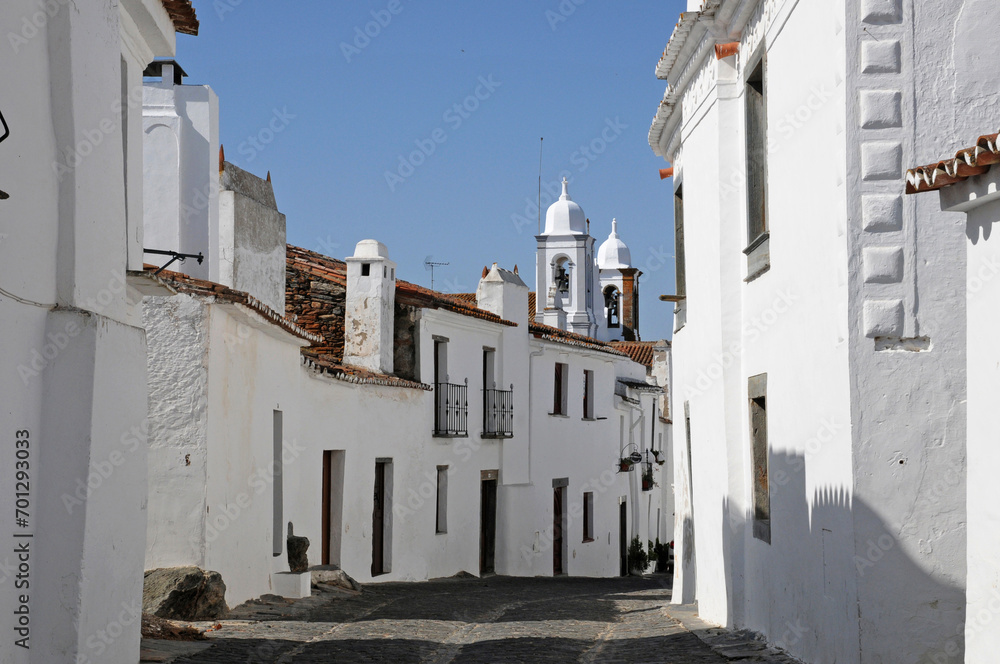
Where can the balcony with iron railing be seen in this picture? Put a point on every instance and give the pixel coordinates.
(451, 409)
(498, 413)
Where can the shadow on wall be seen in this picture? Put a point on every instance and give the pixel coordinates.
(689, 564)
(802, 590)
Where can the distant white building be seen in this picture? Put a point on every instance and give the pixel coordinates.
(407, 433)
(820, 341)
(74, 351)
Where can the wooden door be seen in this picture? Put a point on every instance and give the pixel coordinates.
(488, 527)
(327, 488)
(378, 521)
(559, 519)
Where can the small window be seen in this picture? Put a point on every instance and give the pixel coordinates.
(442, 500)
(588, 395)
(680, 276)
(588, 516)
(385, 271)
(755, 92)
(366, 269)
(560, 388)
(757, 392)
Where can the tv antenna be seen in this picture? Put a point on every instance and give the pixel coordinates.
(430, 264)
(541, 142)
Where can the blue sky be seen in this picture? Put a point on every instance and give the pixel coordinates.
(449, 99)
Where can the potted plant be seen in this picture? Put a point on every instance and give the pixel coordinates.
(638, 559)
(661, 552)
(660, 457)
(647, 478)
(624, 465)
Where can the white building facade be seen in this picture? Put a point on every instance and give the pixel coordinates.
(74, 361)
(407, 433)
(819, 346)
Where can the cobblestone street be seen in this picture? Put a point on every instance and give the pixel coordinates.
(497, 619)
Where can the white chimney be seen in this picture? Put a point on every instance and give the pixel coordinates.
(371, 299)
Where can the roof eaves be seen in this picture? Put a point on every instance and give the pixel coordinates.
(967, 162)
(182, 15)
(348, 374)
(183, 283)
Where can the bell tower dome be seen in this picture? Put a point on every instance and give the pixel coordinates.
(565, 268)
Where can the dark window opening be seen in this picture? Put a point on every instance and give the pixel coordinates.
(611, 306)
(560, 389)
(757, 392)
(366, 269)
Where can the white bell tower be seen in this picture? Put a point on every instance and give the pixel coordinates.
(565, 281)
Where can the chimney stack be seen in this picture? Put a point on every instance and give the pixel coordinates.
(370, 310)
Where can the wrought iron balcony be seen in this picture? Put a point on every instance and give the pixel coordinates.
(498, 413)
(451, 409)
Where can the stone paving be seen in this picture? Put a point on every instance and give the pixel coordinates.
(497, 619)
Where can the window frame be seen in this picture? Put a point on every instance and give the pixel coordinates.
(588, 516)
(759, 456)
(441, 502)
(560, 389)
(758, 234)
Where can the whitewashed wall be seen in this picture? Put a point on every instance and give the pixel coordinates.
(978, 198)
(73, 377)
(857, 426)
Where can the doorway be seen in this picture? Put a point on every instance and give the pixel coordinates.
(333, 506)
(488, 522)
(623, 538)
(558, 528)
(381, 517)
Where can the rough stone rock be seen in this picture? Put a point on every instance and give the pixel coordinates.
(298, 561)
(334, 577)
(184, 593)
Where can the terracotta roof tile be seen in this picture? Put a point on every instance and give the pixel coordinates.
(966, 163)
(183, 16)
(550, 333)
(418, 296)
(185, 284)
(640, 351)
(350, 374)
(320, 307)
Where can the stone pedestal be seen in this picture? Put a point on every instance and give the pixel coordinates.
(291, 585)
